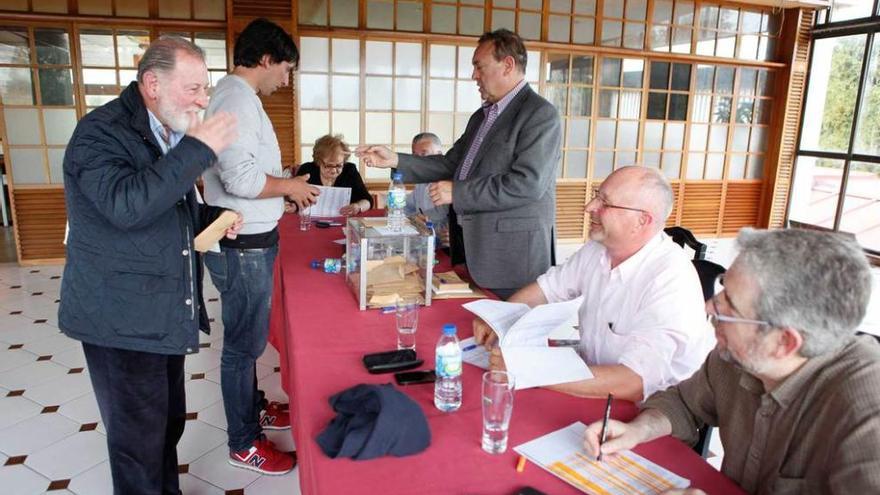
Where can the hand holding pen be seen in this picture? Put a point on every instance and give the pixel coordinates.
(605, 419)
(610, 436)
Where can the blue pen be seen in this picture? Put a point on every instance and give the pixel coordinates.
(469, 348)
(387, 309)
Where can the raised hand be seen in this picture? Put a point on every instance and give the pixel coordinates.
(217, 131)
(376, 156)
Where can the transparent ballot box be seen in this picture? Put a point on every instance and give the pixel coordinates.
(383, 266)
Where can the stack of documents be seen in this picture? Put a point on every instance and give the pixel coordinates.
(522, 336)
(561, 453)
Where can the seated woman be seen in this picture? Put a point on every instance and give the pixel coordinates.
(331, 168)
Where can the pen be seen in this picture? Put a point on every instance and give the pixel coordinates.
(387, 309)
(521, 464)
(604, 426)
(469, 348)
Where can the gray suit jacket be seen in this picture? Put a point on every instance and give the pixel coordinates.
(507, 205)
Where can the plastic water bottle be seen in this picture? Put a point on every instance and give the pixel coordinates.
(396, 202)
(447, 388)
(329, 265)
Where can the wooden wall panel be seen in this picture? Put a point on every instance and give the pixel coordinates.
(570, 200)
(40, 219)
(741, 203)
(278, 9)
(701, 206)
(796, 44)
(281, 111)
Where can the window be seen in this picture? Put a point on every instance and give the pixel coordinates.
(329, 96)
(710, 117)
(37, 94)
(623, 23)
(617, 126)
(569, 86)
(520, 16)
(672, 26)
(749, 138)
(394, 15)
(458, 16)
(109, 61)
(394, 101)
(836, 183)
(572, 21)
(340, 13)
(668, 92)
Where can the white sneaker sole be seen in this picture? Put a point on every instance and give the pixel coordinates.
(258, 470)
(274, 428)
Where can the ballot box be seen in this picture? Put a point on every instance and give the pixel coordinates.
(383, 266)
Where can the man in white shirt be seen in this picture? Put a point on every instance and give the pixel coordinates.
(642, 321)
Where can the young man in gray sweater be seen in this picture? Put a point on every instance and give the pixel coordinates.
(247, 178)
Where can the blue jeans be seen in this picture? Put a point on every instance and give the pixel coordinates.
(143, 404)
(244, 279)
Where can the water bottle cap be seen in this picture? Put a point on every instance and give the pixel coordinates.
(449, 329)
(429, 224)
(397, 176)
(316, 264)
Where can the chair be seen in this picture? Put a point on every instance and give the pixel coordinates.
(683, 237)
(708, 273)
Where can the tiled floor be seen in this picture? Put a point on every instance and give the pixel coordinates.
(51, 436)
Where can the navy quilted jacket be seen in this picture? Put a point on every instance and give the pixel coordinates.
(132, 279)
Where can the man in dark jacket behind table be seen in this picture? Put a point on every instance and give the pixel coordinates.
(131, 290)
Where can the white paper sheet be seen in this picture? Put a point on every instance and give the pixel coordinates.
(561, 453)
(330, 201)
(474, 354)
(522, 335)
(541, 366)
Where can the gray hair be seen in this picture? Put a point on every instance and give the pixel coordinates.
(161, 56)
(818, 283)
(426, 135)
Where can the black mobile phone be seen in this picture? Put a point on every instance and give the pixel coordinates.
(390, 361)
(415, 377)
(527, 490)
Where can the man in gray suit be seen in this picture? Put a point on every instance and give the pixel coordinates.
(499, 176)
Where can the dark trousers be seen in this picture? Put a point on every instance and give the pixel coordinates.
(244, 279)
(143, 405)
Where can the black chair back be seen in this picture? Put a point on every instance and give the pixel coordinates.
(683, 237)
(708, 273)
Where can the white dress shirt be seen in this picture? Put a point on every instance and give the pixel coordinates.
(647, 313)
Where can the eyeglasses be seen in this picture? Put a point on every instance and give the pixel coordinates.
(716, 318)
(335, 168)
(605, 205)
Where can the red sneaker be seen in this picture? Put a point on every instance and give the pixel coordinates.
(264, 458)
(276, 416)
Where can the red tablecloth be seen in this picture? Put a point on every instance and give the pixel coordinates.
(321, 336)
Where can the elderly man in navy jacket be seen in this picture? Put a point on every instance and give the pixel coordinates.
(131, 290)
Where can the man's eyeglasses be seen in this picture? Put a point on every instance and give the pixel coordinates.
(605, 205)
(715, 318)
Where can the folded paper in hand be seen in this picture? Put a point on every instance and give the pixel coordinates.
(214, 232)
(522, 336)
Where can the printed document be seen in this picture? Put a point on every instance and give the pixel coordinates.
(522, 336)
(330, 201)
(626, 473)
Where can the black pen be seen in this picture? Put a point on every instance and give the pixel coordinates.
(604, 426)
